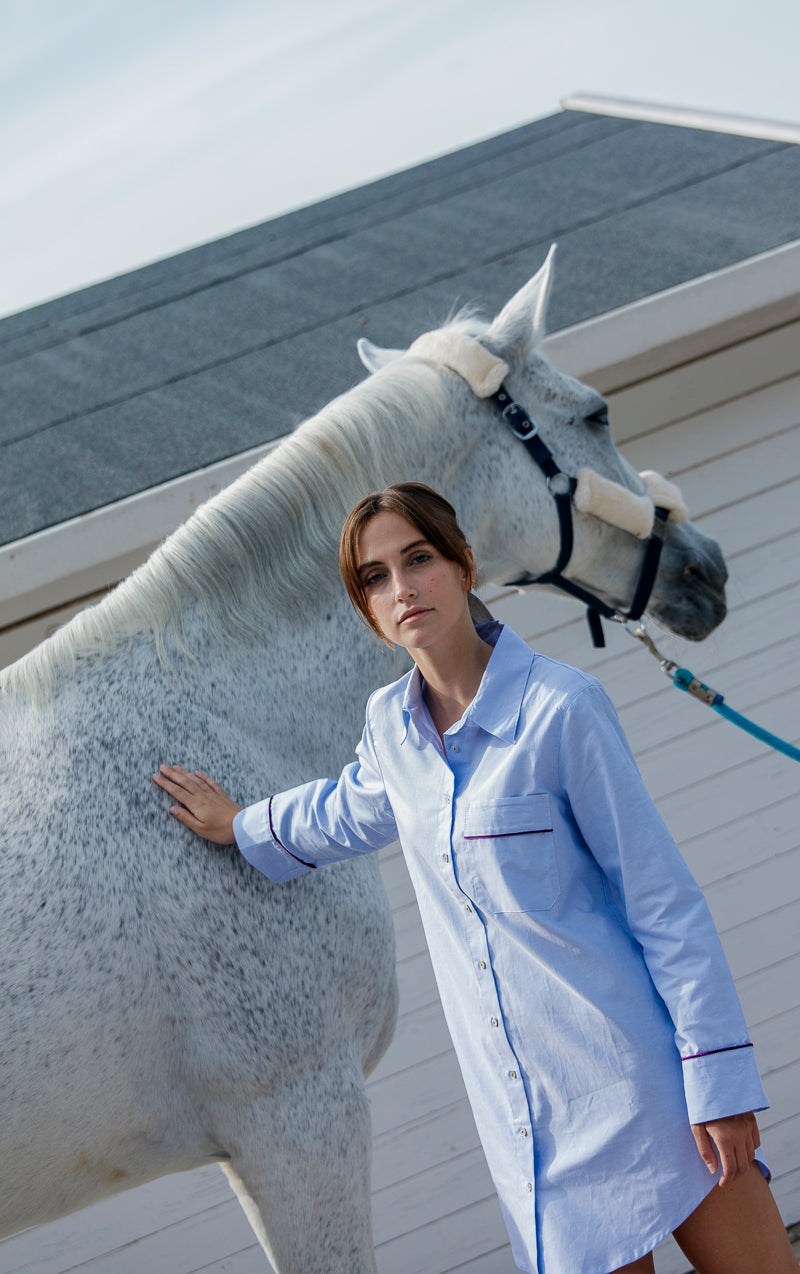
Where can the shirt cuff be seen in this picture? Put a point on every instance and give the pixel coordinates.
(251, 827)
(723, 1082)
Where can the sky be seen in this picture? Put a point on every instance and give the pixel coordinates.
(133, 129)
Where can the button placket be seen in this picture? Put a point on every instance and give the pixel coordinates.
(444, 855)
(487, 993)
(520, 1113)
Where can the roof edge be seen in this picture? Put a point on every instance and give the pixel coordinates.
(667, 329)
(683, 117)
(89, 553)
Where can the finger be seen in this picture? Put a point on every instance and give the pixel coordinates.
(731, 1155)
(726, 1176)
(174, 789)
(207, 779)
(178, 774)
(706, 1147)
(187, 818)
(165, 784)
(183, 779)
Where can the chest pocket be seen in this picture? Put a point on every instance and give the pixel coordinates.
(508, 861)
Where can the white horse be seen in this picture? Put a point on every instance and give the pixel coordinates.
(164, 1005)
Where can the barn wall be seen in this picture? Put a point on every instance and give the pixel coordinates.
(726, 427)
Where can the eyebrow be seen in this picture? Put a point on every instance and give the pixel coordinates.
(366, 566)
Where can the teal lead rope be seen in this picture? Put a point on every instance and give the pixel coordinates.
(684, 680)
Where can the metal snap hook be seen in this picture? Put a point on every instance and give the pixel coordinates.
(668, 666)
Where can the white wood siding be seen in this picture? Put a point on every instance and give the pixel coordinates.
(726, 427)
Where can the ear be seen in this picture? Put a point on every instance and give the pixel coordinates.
(520, 325)
(373, 357)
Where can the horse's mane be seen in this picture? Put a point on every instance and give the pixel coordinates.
(265, 541)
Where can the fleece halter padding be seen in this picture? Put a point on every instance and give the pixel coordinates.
(481, 370)
(594, 494)
(622, 508)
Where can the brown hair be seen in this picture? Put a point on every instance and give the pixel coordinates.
(432, 515)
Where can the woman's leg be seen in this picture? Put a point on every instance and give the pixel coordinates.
(738, 1230)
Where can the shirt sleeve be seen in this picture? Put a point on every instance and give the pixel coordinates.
(650, 884)
(319, 822)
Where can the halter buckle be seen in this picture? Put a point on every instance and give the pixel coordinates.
(519, 422)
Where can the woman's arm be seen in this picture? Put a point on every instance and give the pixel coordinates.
(665, 911)
(294, 831)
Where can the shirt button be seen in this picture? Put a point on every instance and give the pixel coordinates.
(447, 800)
(456, 748)
(530, 1187)
(512, 1074)
(468, 908)
(445, 858)
(495, 1022)
(481, 964)
(523, 1132)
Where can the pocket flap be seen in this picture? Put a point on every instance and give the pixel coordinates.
(508, 816)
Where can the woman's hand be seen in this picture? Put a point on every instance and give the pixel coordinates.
(734, 1139)
(204, 807)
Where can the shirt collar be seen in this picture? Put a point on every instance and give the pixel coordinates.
(496, 706)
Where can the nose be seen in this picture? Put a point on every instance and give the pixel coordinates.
(708, 566)
(403, 586)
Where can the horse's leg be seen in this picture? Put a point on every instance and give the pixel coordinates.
(299, 1163)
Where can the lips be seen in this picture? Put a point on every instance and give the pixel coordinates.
(416, 613)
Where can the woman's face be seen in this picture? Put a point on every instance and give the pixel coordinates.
(416, 596)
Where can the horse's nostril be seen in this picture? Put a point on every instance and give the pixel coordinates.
(706, 572)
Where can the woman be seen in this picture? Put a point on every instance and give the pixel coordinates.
(600, 1037)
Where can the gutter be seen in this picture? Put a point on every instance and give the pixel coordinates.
(683, 117)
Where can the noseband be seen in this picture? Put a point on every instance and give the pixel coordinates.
(612, 503)
(562, 488)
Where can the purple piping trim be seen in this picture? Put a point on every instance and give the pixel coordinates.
(731, 1048)
(313, 866)
(530, 831)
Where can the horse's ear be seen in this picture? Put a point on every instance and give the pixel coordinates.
(521, 323)
(373, 357)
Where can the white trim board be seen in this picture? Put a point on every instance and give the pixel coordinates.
(683, 323)
(87, 554)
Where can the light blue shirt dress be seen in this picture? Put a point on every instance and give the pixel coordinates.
(586, 991)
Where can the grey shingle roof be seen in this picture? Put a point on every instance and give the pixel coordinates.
(137, 380)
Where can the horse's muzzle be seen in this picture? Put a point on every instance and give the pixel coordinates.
(689, 593)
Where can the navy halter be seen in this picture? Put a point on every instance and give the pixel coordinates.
(562, 488)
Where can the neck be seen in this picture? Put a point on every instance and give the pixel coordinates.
(453, 675)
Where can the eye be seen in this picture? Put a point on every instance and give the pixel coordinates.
(373, 578)
(420, 558)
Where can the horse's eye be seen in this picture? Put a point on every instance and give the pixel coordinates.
(598, 417)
